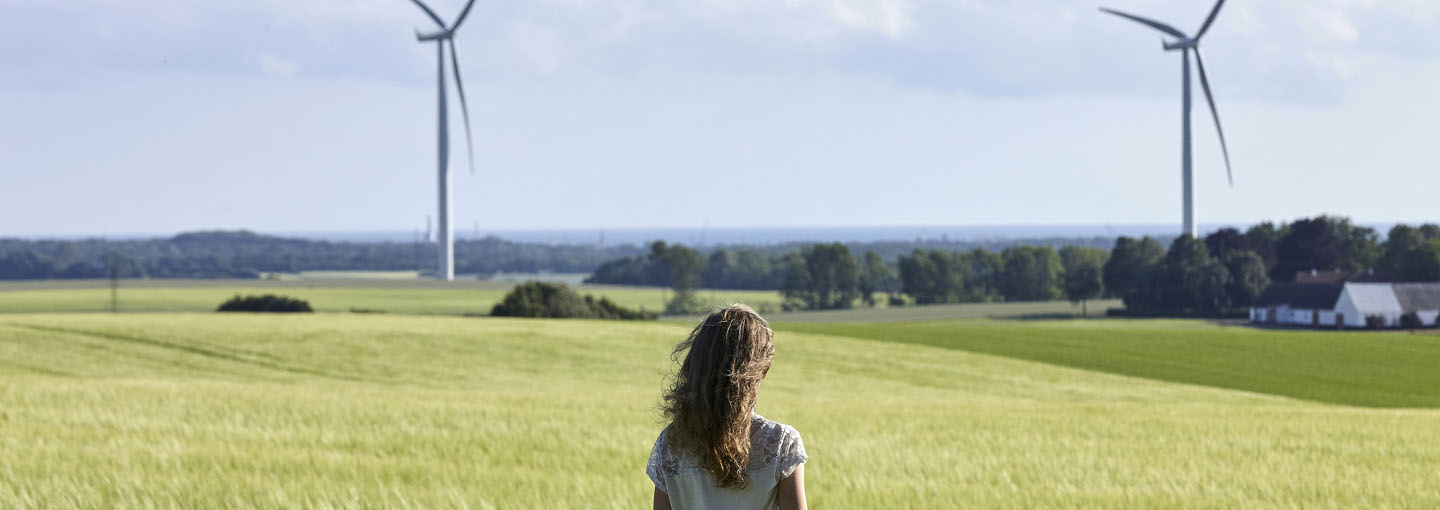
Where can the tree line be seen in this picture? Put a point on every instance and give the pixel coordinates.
(826, 276)
(1221, 274)
(243, 254)
(1226, 271)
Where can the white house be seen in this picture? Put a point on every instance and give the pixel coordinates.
(1345, 305)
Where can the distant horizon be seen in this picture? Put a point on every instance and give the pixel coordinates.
(724, 235)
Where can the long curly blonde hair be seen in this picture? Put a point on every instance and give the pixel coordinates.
(710, 401)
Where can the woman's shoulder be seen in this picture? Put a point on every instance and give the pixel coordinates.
(775, 439)
(776, 445)
(765, 427)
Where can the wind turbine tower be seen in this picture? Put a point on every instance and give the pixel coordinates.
(442, 38)
(1187, 45)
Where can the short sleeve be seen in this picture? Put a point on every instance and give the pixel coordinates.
(654, 466)
(792, 453)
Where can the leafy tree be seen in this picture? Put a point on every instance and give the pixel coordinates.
(985, 269)
(935, 276)
(740, 269)
(1325, 243)
(834, 275)
(1311, 244)
(756, 270)
(1362, 245)
(1226, 240)
(1410, 253)
(1190, 278)
(1032, 273)
(1247, 277)
(1129, 266)
(1208, 285)
(822, 277)
(1083, 274)
(1264, 239)
(928, 276)
(798, 285)
(916, 273)
(1419, 263)
(875, 278)
(680, 268)
(720, 269)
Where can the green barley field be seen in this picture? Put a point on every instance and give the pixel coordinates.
(368, 295)
(202, 410)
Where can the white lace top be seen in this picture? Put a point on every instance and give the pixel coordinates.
(775, 452)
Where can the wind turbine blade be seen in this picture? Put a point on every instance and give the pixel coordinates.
(464, 108)
(1210, 20)
(463, 13)
(1210, 98)
(430, 13)
(1147, 22)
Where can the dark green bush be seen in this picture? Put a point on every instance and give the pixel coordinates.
(265, 303)
(1375, 322)
(1411, 321)
(557, 301)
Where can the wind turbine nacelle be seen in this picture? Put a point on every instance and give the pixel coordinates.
(1180, 45)
(434, 36)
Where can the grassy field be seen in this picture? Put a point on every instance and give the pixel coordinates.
(366, 411)
(326, 295)
(1350, 368)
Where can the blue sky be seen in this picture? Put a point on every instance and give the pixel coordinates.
(156, 116)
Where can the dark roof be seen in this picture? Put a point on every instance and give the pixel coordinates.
(1418, 296)
(1313, 276)
(1338, 276)
(1305, 296)
(1372, 276)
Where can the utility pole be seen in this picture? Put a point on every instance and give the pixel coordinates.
(114, 283)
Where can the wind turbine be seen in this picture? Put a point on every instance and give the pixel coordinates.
(446, 35)
(1186, 45)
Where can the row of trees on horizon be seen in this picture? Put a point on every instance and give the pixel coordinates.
(244, 254)
(1224, 271)
(1220, 274)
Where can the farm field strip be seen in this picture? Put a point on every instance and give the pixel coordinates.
(340, 410)
(1349, 368)
(373, 296)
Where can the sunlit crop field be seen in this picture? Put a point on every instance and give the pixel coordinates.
(367, 296)
(379, 411)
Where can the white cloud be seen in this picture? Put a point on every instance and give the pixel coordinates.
(890, 18)
(1277, 50)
